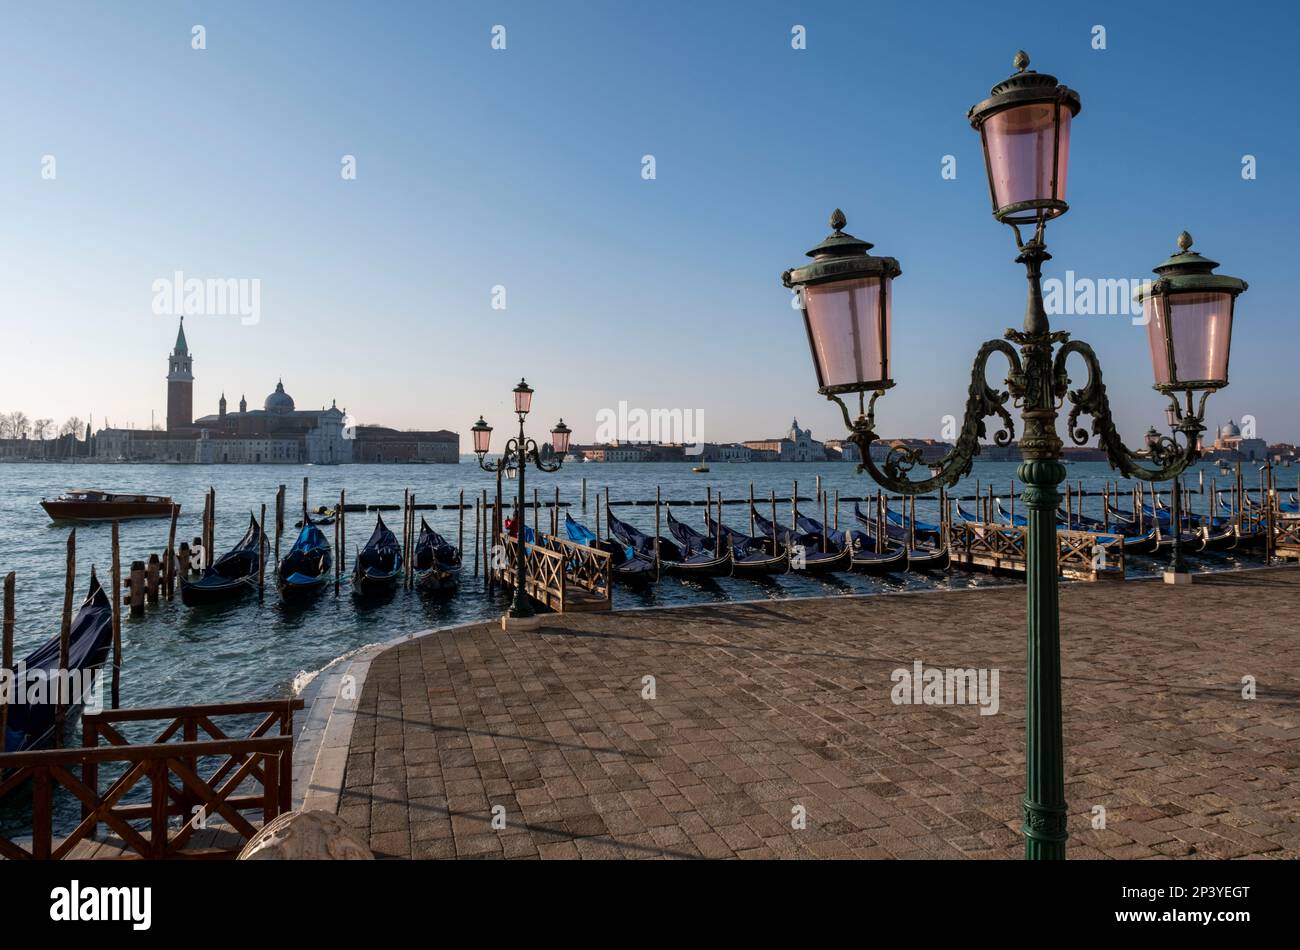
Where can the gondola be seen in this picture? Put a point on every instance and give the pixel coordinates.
(1194, 536)
(625, 566)
(233, 574)
(305, 570)
(673, 559)
(751, 556)
(1136, 540)
(31, 725)
(863, 558)
(437, 561)
(924, 532)
(923, 556)
(1246, 537)
(811, 559)
(378, 565)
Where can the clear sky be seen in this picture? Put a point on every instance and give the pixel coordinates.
(522, 168)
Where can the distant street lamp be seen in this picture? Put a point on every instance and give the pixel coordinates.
(847, 309)
(517, 454)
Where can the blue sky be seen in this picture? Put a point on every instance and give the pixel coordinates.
(522, 168)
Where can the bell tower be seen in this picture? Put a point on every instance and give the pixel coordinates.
(180, 384)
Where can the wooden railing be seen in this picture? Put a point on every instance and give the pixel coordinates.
(260, 760)
(556, 567)
(1004, 547)
(587, 567)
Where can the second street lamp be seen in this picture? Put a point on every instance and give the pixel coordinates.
(847, 307)
(517, 454)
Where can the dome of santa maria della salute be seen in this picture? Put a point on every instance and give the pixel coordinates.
(279, 401)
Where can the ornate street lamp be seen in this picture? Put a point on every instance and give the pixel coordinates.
(1025, 127)
(516, 456)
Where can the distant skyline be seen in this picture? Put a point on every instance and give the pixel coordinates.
(487, 174)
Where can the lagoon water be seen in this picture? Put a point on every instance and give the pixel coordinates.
(247, 650)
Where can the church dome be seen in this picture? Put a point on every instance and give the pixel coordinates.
(279, 401)
(1230, 431)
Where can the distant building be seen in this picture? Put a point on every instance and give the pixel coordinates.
(797, 445)
(180, 384)
(1231, 446)
(278, 432)
(380, 444)
(842, 450)
(725, 452)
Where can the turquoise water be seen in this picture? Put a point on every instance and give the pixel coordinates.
(247, 650)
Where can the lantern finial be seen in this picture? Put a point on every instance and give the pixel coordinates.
(1184, 241)
(838, 220)
(1021, 62)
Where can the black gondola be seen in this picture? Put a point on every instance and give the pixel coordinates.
(921, 557)
(810, 557)
(305, 570)
(864, 558)
(625, 566)
(232, 575)
(1136, 540)
(378, 565)
(673, 559)
(31, 725)
(437, 561)
(751, 556)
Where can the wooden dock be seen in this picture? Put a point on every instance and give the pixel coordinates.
(1001, 549)
(562, 575)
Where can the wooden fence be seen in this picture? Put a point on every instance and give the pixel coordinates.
(248, 774)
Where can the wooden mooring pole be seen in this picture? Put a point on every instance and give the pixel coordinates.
(478, 515)
(116, 574)
(262, 547)
(65, 635)
(279, 520)
(169, 568)
(7, 649)
(151, 579)
(460, 525)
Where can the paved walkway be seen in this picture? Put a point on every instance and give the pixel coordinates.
(765, 711)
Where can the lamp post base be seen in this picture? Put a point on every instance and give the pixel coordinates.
(1178, 577)
(531, 622)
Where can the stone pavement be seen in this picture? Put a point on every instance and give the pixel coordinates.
(765, 711)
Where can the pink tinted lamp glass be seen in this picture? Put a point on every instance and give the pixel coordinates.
(523, 400)
(481, 440)
(1019, 142)
(1200, 328)
(845, 318)
(560, 440)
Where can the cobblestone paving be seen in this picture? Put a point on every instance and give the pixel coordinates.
(763, 707)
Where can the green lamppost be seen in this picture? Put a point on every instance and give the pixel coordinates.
(847, 304)
(518, 453)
